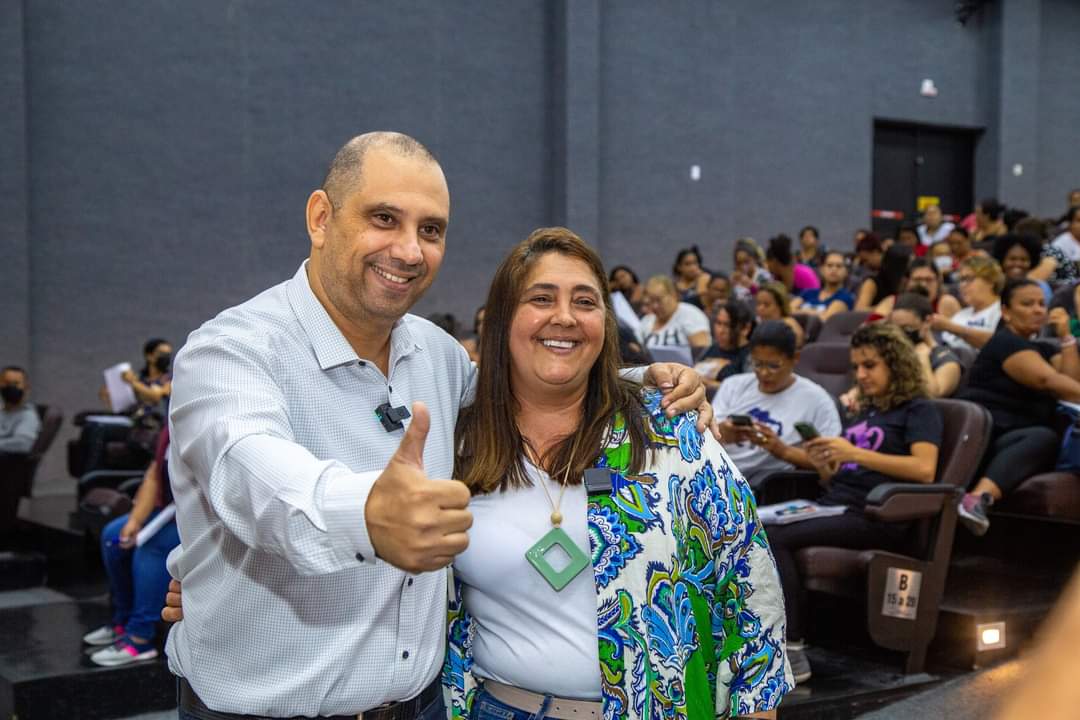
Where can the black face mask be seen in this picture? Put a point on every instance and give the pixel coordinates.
(163, 362)
(915, 336)
(12, 395)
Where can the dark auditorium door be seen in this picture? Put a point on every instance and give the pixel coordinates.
(920, 160)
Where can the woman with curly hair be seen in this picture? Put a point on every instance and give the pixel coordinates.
(894, 437)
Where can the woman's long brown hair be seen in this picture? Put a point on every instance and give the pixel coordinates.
(489, 444)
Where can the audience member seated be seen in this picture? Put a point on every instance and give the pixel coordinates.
(811, 251)
(1068, 242)
(1019, 381)
(138, 578)
(623, 279)
(691, 278)
(1053, 265)
(729, 354)
(934, 228)
(1020, 257)
(895, 438)
(960, 249)
(671, 323)
(774, 303)
(908, 236)
(923, 272)
(774, 398)
(717, 292)
(869, 254)
(794, 276)
(981, 281)
(941, 367)
(749, 274)
(887, 280)
(152, 387)
(19, 421)
(989, 221)
(833, 296)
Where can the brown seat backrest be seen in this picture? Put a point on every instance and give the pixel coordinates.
(827, 364)
(811, 325)
(965, 435)
(51, 420)
(841, 326)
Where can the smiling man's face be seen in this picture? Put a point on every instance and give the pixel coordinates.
(381, 246)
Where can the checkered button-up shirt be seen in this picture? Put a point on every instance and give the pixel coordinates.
(275, 446)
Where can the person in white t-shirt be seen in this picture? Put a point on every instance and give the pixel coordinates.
(1068, 242)
(981, 282)
(933, 229)
(774, 398)
(671, 323)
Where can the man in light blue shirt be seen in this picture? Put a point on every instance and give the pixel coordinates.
(314, 520)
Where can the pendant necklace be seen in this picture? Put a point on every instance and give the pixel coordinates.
(578, 560)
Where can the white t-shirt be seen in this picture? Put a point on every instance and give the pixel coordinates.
(985, 319)
(528, 635)
(1066, 243)
(940, 235)
(687, 320)
(803, 401)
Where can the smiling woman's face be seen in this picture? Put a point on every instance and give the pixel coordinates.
(557, 331)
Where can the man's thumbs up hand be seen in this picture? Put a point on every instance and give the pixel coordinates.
(416, 523)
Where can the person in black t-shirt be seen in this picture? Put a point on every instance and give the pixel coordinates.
(894, 438)
(1020, 381)
(732, 324)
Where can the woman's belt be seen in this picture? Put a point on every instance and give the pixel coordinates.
(560, 708)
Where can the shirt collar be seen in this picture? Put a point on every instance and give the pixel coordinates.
(330, 346)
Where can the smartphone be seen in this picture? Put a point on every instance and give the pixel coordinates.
(806, 431)
(741, 420)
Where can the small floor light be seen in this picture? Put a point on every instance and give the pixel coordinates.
(990, 636)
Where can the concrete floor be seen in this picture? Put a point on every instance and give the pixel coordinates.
(972, 697)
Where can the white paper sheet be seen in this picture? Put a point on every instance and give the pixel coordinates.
(151, 528)
(121, 396)
(626, 315)
(796, 510)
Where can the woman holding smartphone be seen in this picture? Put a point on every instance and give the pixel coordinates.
(895, 438)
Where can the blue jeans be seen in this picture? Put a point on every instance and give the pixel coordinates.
(435, 711)
(486, 707)
(138, 578)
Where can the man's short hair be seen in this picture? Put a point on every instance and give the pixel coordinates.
(345, 171)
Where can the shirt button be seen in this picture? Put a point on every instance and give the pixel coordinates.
(360, 557)
(410, 582)
(390, 388)
(405, 655)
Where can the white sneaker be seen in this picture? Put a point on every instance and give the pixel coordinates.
(121, 652)
(104, 635)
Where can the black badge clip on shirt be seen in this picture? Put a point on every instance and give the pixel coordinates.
(598, 481)
(391, 417)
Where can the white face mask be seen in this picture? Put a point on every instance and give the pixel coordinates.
(944, 263)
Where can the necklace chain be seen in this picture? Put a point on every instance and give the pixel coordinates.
(556, 507)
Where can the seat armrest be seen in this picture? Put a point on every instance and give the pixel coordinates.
(901, 502)
(106, 478)
(787, 485)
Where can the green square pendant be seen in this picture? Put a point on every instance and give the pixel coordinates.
(557, 579)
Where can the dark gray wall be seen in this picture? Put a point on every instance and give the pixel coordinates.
(14, 248)
(1058, 104)
(157, 155)
(776, 102)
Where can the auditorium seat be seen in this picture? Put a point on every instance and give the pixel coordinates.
(1051, 496)
(841, 326)
(18, 470)
(865, 573)
(811, 325)
(828, 364)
